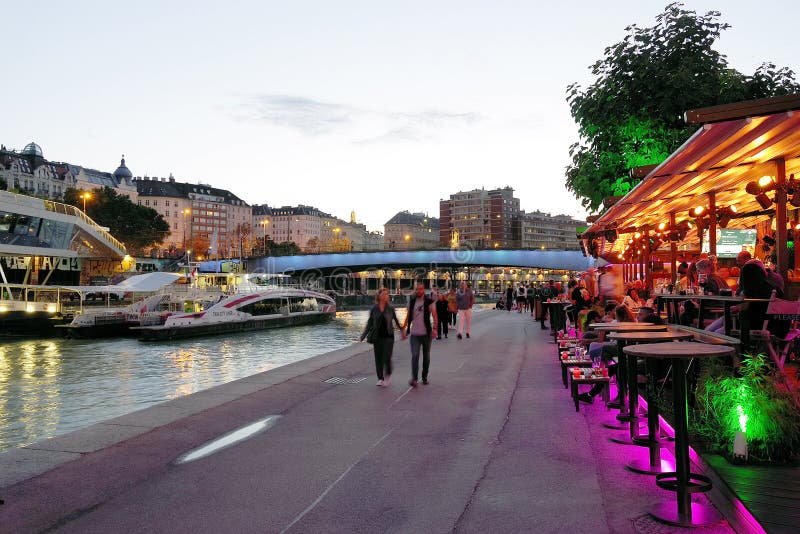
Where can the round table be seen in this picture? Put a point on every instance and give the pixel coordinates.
(622, 381)
(682, 481)
(654, 465)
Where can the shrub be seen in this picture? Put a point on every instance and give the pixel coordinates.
(756, 399)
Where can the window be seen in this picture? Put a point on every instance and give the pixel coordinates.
(147, 202)
(167, 203)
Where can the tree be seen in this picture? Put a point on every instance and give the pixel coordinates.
(139, 227)
(632, 114)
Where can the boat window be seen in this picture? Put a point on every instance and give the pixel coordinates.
(262, 307)
(303, 304)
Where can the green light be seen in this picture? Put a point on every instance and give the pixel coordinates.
(742, 418)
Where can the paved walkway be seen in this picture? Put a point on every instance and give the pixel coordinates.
(493, 444)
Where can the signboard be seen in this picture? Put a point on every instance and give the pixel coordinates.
(731, 242)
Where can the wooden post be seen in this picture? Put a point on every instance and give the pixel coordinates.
(712, 224)
(780, 219)
(673, 252)
(647, 252)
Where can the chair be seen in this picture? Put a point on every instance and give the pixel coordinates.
(778, 347)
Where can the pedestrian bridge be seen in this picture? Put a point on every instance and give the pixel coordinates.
(327, 264)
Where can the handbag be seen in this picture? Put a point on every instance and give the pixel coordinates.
(372, 335)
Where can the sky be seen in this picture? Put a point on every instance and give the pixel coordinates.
(372, 106)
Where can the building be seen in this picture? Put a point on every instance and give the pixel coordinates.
(121, 180)
(406, 231)
(481, 219)
(29, 172)
(205, 220)
(549, 232)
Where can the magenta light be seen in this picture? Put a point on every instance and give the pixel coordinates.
(741, 508)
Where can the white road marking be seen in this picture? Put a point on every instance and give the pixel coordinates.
(229, 439)
(398, 399)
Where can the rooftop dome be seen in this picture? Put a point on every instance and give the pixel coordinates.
(32, 149)
(123, 171)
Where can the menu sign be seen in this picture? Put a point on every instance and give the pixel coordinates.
(731, 242)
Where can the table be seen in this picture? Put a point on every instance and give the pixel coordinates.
(588, 380)
(621, 371)
(571, 362)
(671, 303)
(633, 388)
(682, 481)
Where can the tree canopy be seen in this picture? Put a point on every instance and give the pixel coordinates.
(632, 115)
(139, 227)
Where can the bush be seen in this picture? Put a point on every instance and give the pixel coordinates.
(756, 399)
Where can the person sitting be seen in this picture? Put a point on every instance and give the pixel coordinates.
(711, 282)
(606, 351)
(632, 301)
(648, 315)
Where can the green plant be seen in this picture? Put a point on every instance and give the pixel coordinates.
(756, 399)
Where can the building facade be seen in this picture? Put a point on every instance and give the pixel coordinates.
(29, 172)
(480, 218)
(549, 232)
(407, 231)
(204, 220)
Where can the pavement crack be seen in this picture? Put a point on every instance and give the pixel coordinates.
(494, 444)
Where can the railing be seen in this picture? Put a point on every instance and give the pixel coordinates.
(64, 209)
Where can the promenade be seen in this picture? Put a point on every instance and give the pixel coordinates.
(493, 444)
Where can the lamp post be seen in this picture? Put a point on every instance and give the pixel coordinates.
(408, 241)
(186, 212)
(84, 196)
(264, 224)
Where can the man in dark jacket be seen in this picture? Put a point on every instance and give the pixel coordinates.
(421, 311)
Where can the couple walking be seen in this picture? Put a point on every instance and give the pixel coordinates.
(420, 318)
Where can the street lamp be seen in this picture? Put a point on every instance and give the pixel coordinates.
(186, 212)
(84, 196)
(408, 240)
(264, 224)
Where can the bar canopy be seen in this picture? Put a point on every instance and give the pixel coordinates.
(722, 157)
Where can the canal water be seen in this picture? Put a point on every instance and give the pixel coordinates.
(53, 386)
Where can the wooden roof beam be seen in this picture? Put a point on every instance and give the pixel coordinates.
(741, 110)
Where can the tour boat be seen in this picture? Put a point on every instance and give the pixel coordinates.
(262, 309)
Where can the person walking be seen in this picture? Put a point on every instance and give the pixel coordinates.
(452, 306)
(522, 298)
(465, 299)
(443, 317)
(379, 331)
(509, 298)
(421, 310)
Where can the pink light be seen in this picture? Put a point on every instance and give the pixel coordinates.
(741, 508)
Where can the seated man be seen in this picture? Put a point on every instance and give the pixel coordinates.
(648, 315)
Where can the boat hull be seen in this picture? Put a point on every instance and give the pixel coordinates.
(162, 333)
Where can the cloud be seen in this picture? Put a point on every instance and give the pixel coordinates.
(310, 117)
(365, 126)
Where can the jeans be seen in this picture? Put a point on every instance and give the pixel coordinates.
(466, 317)
(383, 356)
(443, 326)
(453, 316)
(416, 343)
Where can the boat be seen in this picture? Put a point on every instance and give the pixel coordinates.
(244, 312)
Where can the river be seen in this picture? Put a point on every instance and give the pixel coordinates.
(53, 386)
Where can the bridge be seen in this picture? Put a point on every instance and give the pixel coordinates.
(365, 271)
(327, 264)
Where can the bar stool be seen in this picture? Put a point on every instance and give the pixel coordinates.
(683, 482)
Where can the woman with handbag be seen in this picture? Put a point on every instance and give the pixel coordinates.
(380, 332)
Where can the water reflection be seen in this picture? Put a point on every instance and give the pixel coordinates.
(55, 386)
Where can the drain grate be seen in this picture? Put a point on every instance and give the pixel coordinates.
(340, 380)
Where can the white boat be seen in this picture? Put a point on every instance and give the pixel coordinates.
(242, 312)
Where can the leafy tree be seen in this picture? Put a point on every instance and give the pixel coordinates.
(139, 227)
(632, 114)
